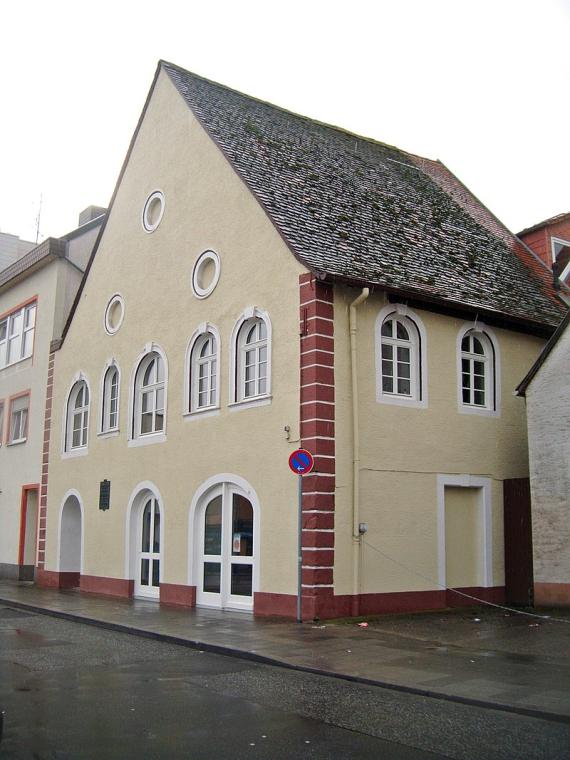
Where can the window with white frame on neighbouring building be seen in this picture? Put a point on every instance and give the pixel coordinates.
(17, 334)
(19, 412)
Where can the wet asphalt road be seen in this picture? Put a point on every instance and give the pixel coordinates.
(74, 691)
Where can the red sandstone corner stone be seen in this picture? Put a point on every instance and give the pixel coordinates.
(313, 576)
(318, 558)
(312, 521)
(318, 538)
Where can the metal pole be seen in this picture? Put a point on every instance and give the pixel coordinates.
(299, 547)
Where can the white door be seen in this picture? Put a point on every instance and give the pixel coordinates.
(226, 556)
(148, 569)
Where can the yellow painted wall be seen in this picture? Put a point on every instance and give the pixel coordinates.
(463, 537)
(404, 449)
(207, 207)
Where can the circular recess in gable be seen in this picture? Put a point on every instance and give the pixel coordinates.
(153, 211)
(114, 314)
(205, 274)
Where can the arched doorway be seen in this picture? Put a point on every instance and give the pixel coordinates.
(71, 541)
(145, 543)
(225, 547)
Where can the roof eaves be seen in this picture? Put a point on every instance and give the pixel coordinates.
(46, 251)
(545, 223)
(523, 385)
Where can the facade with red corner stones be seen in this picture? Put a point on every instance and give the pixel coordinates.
(37, 286)
(550, 241)
(313, 311)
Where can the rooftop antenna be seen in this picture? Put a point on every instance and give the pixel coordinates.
(38, 218)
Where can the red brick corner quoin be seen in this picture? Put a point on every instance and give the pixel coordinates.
(317, 416)
(42, 578)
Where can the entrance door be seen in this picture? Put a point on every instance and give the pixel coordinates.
(226, 533)
(148, 573)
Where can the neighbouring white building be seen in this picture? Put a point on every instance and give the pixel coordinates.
(37, 289)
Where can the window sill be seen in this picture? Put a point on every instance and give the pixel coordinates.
(108, 433)
(17, 442)
(147, 440)
(478, 411)
(248, 403)
(72, 453)
(18, 361)
(197, 414)
(412, 403)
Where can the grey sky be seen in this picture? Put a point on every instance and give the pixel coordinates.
(483, 86)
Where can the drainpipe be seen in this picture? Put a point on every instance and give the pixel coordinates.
(356, 536)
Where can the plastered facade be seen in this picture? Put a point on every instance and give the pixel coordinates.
(548, 413)
(206, 207)
(52, 286)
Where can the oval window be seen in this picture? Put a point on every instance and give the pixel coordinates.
(153, 211)
(205, 274)
(114, 314)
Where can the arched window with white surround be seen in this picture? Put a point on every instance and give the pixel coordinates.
(478, 370)
(250, 380)
(400, 357)
(110, 399)
(202, 385)
(149, 396)
(77, 417)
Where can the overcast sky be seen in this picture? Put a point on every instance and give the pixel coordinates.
(482, 85)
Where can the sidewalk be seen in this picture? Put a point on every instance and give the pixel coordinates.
(486, 657)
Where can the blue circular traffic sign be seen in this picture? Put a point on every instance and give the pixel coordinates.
(301, 462)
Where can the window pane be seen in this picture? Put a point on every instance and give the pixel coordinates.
(144, 572)
(148, 377)
(251, 334)
(404, 387)
(466, 380)
(156, 537)
(465, 365)
(263, 354)
(159, 370)
(478, 368)
(160, 399)
(404, 370)
(401, 331)
(241, 580)
(28, 343)
(159, 422)
(479, 383)
(479, 398)
(3, 329)
(387, 351)
(146, 422)
(262, 386)
(262, 330)
(30, 319)
(387, 328)
(155, 572)
(147, 399)
(465, 344)
(477, 346)
(403, 354)
(242, 526)
(387, 385)
(250, 389)
(387, 368)
(213, 527)
(145, 544)
(212, 577)
(465, 394)
(206, 349)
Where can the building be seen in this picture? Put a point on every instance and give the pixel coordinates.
(550, 240)
(545, 388)
(36, 293)
(265, 281)
(12, 248)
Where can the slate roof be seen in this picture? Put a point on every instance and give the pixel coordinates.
(359, 211)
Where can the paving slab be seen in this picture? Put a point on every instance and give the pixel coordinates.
(487, 657)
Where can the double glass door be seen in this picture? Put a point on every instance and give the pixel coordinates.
(148, 578)
(227, 559)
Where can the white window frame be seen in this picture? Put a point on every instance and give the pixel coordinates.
(7, 322)
(418, 398)
(191, 409)
(147, 225)
(135, 436)
(67, 432)
(237, 366)
(490, 344)
(2, 410)
(24, 414)
(106, 430)
(554, 242)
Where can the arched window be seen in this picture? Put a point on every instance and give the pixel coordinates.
(77, 418)
(252, 353)
(149, 396)
(204, 372)
(110, 400)
(477, 371)
(400, 357)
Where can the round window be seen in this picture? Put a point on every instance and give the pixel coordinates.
(205, 274)
(153, 211)
(114, 314)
